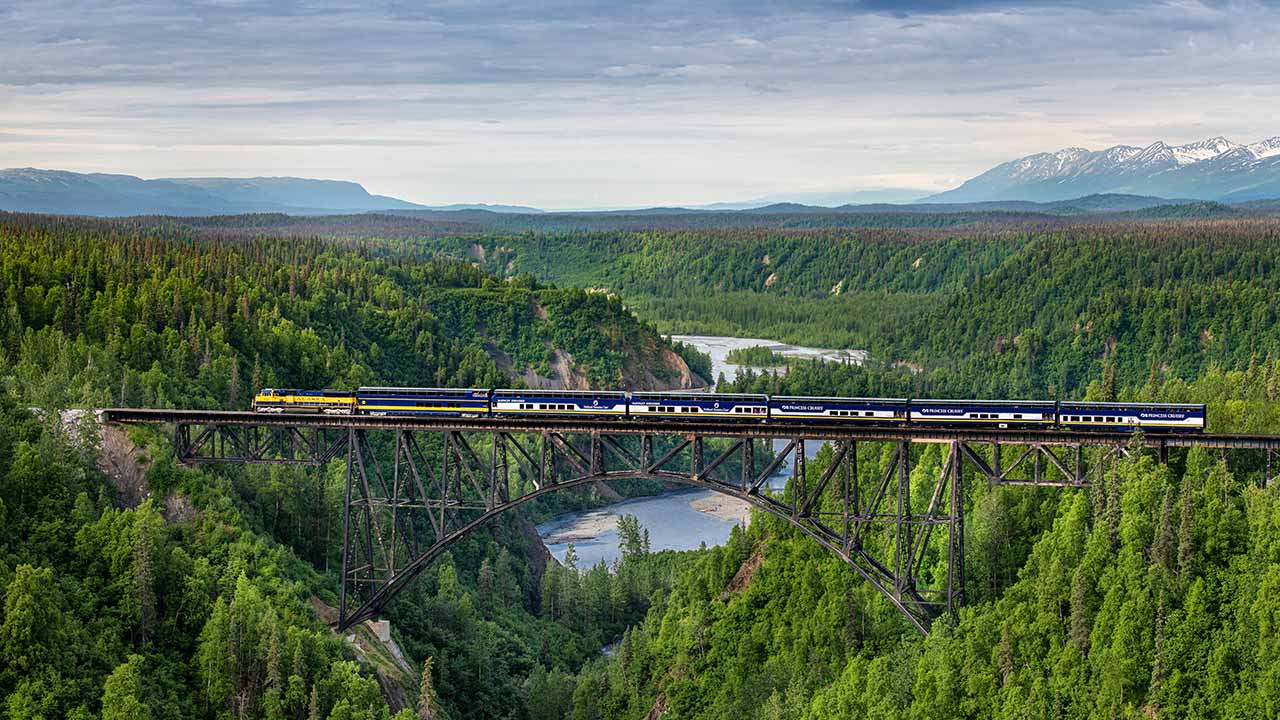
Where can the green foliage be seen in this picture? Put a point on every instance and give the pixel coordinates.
(199, 601)
(977, 310)
(1150, 594)
(756, 356)
(122, 698)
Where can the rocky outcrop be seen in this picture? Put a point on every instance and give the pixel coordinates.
(537, 553)
(742, 578)
(125, 464)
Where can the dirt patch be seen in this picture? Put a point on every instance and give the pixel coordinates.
(659, 707)
(742, 578)
(724, 507)
(682, 377)
(125, 464)
(326, 612)
(378, 651)
(564, 374)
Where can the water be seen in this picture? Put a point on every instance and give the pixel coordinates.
(718, 347)
(670, 518)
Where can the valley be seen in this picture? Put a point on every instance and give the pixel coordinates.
(102, 312)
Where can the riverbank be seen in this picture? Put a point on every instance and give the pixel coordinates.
(723, 507)
(682, 519)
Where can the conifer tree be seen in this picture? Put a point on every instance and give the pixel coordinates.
(427, 705)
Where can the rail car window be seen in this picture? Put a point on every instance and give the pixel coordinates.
(1017, 416)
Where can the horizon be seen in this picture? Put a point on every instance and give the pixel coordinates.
(828, 199)
(594, 106)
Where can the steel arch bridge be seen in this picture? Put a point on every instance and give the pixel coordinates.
(414, 486)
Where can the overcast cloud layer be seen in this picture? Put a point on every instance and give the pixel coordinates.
(580, 104)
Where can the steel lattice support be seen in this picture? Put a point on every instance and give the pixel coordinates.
(396, 522)
(259, 445)
(413, 487)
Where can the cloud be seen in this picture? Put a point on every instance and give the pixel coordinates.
(560, 101)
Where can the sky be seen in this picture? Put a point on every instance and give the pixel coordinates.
(580, 104)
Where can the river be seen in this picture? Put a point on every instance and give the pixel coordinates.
(682, 519)
(718, 347)
(678, 520)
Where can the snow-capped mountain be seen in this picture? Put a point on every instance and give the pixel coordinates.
(1266, 148)
(1212, 169)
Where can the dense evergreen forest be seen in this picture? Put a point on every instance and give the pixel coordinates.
(184, 593)
(1148, 595)
(991, 311)
(200, 593)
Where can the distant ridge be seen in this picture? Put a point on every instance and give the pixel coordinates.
(1214, 169)
(67, 193)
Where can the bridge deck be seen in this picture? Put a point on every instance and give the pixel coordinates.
(704, 427)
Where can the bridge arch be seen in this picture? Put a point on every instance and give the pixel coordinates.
(370, 572)
(465, 491)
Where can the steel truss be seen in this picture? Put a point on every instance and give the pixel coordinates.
(259, 445)
(414, 488)
(404, 506)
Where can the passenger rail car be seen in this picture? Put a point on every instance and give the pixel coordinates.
(998, 413)
(558, 402)
(692, 406)
(862, 411)
(471, 402)
(1128, 417)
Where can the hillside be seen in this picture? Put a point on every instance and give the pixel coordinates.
(200, 593)
(1150, 595)
(991, 311)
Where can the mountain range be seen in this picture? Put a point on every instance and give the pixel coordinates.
(68, 193)
(1070, 181)
(1215, 169)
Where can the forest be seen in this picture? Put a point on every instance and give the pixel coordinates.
(203, 592)
(195, 592)
(995, 311)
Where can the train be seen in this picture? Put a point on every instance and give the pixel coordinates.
(738, 407)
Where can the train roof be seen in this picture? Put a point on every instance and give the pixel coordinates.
(369, 388)
(701, 395)
(562, 393)
(1120, 405)
(932, 401)
(838, 399)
